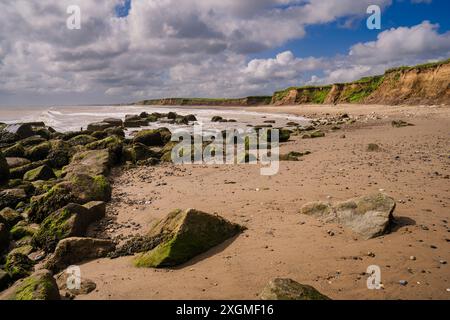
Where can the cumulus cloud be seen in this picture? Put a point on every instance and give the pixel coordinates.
(185, 48)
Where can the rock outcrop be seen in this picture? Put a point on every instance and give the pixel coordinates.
(288, 289)
(370, 216)
(39, 286)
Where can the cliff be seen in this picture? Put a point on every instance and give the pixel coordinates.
(427, 84)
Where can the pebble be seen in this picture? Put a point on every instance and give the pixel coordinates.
(442, 262)
(403, 282)
(412, 258)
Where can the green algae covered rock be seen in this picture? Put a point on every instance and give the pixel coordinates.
(93, 162)
(41, 173)
(39, 152)
(287, 289)
(18, 265)
(39, 286)
(79, 189)
(70, 221)
(113, 144)
(184, 234)
(9, 217)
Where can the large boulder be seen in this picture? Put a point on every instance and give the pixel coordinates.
(184, 234)
(4, 169)
(17, 162)
(39, 286)
(32, 141)
(370, 216)
(41, 173)
(138, 152)
(10, 198)
(93, 162)
(114, 122)
(149, 138)
(71, 221)
(79, 189)
(18, 265)
(75, 250)
(5, 280)
(287, 289)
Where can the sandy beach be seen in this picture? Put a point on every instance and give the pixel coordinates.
(412, 166)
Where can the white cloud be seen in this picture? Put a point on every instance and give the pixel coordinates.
(185, 47)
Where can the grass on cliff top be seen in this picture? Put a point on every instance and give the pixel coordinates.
(419, 67)
(317, 94)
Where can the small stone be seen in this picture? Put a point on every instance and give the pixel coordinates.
(403, 282)
(442, 262)
(412, 258)
(371, 254)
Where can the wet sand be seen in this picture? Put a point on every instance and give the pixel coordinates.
(413, 166)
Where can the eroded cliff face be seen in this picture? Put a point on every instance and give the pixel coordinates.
(426, 84)
(248, 101)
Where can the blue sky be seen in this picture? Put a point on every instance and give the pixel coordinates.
(128, 50)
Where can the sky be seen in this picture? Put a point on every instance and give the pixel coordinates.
(130, 50)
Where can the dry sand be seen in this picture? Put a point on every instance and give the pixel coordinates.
(413, 167)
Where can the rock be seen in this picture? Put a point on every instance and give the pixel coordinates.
(4, 237)
(17, 131)
(79, 189)
(191, 118)
(42, 173)
(138, 152)
(293, 156)
(39, 286)
(19, 172)
(81, 140)
(32, 141)
(86, 285)
(149, 138)
(15, 151)
(401, 124)
(216, 119)
(10, 217)
(370, 216)
(373, 147)
(10, 198)
(285, 135)
(5, 280)
(97, 209)
(39, 152)
(116, 131)
(18, 266)
(136, 123)
(313, 135)
(287, 289)
(99, 126)
(4, 170)
(403, 282)
(70, 221)
(114, 121)
(113, 144)
(184, 234)
(17, 162)
(94, 162)
(22, 230)
(72, 251)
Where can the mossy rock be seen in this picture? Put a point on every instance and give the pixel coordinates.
(81, 140)
(285, 135)
(17, 162)
(23, 230)
(373, 147)
(401, 124)
(10, 198)
(19, 172)
(41, 187)
(113, 144)
(10, 217)
(183, 235)
(5, 280)
(4, 170)
(32, 141)
(149, 138)
(79, 189)
(18, 265)
(288, 289)
(60, 154)
(25, 249)
(39, 286)
(42, 173)
(314, 135)
(70, 221)
(39, 152)
(15, 151)
(138, 152)
(94, 162)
